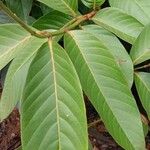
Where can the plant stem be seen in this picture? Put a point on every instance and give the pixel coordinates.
(74, 23)
(142, 67)
(18, 20)
(94, 123)
(144, 119)
(45, 34)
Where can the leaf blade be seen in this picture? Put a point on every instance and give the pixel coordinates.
(16, 76)
(20, 7)
(140, 51)
(116, 48)
(12, 38)
(142, 82)
(107, 91)
(123, 25)
(65, 6)
(55, 107)
(52, 20)
(135, 8)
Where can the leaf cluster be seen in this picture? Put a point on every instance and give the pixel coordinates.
(56, 52)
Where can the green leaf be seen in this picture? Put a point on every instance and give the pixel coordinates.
(4, 18)
(16, 76)
(90, 146)
(142, 82)
(145, 129)
(139, 9)
(92, 3)
(45, 9)
(123, 25)
(106, 87)
(140, 51)
(116, 48)
(22, 8)
(52, 20)
(69, 7)
(53, 113)
(12, 38)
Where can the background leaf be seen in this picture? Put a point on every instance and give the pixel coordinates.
(139, 9)
(106, 87)
(92, 3)
(142, 81)
(69, 7)
(140, 51)
(4, 18)
(21, 8)
(123, 25)
(53, 113)
(116, 48)
(45, 9)
(16, 76)
(52, 20)
(12, 38)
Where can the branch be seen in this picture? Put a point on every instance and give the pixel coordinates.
(72, 24)
(142, 67)
(45, 34)
(18, 20)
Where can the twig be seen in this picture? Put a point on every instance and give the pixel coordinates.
(18, 20)
(45, 34)
(94, 123)
(142, 67)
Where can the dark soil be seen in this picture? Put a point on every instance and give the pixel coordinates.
(98, 135)
(10, 132)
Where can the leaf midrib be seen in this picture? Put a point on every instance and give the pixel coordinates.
(50, 44)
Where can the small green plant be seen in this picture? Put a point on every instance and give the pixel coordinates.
(56, 53)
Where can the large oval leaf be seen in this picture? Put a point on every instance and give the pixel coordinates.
(53, 113)
(142, 82)
(123, 25)
(106, 87)
(16, 76)
(116, 48)
(140, 51)
(52, 20)
(12, 37)
(140, 9)
(69, 7)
